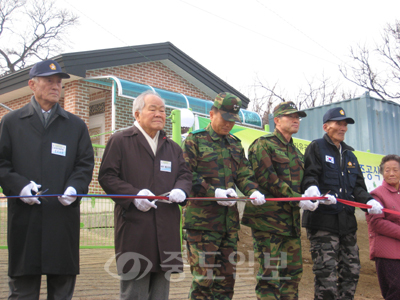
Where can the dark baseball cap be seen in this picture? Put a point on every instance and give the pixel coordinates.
(337, 114)
(229, 106)
(287, 108)
(47, 68)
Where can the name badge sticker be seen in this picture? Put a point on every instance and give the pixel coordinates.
(165, 166)
(58, 149)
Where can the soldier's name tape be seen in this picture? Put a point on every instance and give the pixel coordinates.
(346, 202)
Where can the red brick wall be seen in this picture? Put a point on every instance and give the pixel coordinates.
(152, 73)
(20, 102)
(14, 104)
(76, 99)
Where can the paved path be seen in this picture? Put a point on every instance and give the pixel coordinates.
(95, 283)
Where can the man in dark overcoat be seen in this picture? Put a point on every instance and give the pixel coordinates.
(42, 145)
(142, 160)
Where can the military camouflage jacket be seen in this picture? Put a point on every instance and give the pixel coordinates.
(215, 162)
(278, 167)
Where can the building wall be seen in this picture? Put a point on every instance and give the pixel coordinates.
(20, 102)
(77, 97)
(15, 104)
(155, 74)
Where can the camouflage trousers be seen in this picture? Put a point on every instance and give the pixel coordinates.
(281, 265)
(212, 258)
(336, 264)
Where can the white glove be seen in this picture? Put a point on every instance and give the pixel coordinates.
(221, 193)
(331, 200)
(308, 205)
(144, 204)
(27, 191)
(66, 199)
(260, 198)
(312, 191)
(177, 195)
(376, 207)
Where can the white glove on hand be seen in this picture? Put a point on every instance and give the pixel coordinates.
(331, 200)
(376, 207)
(27, 191)
(144, 204)
(308, 205)
(221, 193)
(66, 199)
(177, 195)
(312, 191)
(260, 198)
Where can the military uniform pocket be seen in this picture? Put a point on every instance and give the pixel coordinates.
(331, 178)
(207, 161)
(353, 172)
(280, 158)
(194, 235)
(281, 165)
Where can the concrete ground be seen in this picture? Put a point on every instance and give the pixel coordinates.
(98, 279)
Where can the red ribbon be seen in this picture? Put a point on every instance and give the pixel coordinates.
(347, 202)
(366, 206)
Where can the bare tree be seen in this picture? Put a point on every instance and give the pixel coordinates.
(318, 91)
(383, 80)
(42, 34)
(263, 99)
(321, 91)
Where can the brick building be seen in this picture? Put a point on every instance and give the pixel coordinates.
(104, 83)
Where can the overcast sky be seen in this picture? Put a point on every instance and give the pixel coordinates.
(278, 41)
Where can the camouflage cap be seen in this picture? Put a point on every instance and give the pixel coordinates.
(287, 108)
(229, 105)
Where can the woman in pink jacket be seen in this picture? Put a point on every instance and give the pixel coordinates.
(384, 229)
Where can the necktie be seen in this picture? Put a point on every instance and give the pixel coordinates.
(46, 117)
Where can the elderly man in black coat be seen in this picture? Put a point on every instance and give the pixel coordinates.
(42, 145)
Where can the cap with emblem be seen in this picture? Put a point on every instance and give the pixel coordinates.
(47, 68)
(229, 105)
(337, 114)
(287, 108)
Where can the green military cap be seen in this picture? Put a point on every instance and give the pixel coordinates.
(287, 108)
(229, 105)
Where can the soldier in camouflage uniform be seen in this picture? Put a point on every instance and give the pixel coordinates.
(216, 159)
(278, 167)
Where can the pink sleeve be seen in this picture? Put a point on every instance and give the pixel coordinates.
(381, 225)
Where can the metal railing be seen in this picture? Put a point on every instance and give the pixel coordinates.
(97, 223)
